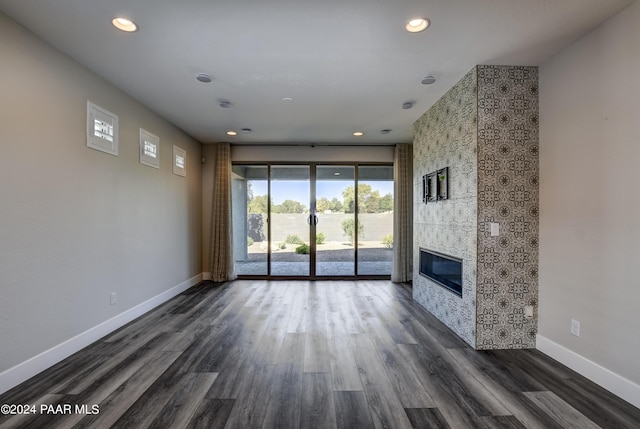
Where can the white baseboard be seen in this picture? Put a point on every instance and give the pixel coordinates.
(616, 384)
(27, 369)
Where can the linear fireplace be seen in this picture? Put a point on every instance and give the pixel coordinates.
(443, 269)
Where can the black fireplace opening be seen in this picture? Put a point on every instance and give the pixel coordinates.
(443, 269)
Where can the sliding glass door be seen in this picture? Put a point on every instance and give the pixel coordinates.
(335, 226)
(250, 209)
(375, 220)
(289, 220)
(313, 221)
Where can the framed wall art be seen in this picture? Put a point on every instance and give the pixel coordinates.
(102, 129)
(429, 187)
(443, 183)
(179, 161)
(149, 149)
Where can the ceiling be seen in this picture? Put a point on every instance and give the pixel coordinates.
(348, 65)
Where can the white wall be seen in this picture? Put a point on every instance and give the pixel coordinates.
(590, 199)
(76, 223)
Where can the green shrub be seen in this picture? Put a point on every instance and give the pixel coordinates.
(387, 240)
(293, 239)
(282, 246)
(320, 238)
(348, 226)
(249, 241)
(303, 249)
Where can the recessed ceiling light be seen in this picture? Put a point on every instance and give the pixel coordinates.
(407, 105)
(124, 24)
(225, 104)
(287, 99)
(417, 25)
(336, 174)
(428, 80)
(385, 131)
(246, 130)
(204, 77)
(232, 133)
(358, 134)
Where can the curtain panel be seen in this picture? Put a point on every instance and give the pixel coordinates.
(402, 268)
(222, 263)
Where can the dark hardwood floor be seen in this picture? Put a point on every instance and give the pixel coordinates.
(258, 354)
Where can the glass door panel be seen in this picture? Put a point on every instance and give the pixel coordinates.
(375, 220)
(250, 231)
(335, 238)
(290, 228)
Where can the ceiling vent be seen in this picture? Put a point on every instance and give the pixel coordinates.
(204, 78)
(428, 80)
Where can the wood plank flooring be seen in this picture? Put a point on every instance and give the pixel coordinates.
(330, 354)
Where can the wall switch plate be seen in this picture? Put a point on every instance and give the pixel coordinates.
(528, 311)
(113, 298)
(495, 229)
(575, 328)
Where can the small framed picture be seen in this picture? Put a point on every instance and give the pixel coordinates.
(429, 188)
(179, 161)
(102, 129)
(149, 149)
(424, 188)
(443, 183)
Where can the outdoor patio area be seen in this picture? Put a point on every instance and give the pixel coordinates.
(332, 259)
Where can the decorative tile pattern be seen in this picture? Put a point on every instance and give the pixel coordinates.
(508, 195)
(445, 136)
(485, 129)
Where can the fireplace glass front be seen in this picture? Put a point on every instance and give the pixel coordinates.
(443, 269)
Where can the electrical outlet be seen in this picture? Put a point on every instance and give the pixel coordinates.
(575, 328)
(113, 298)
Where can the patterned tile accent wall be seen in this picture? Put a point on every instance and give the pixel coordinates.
(445, 136)
(485, 129)
(507, 194)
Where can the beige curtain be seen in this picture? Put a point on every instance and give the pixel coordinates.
(222, 264)
(402, 269)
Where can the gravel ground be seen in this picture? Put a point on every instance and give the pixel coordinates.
(330, 251)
